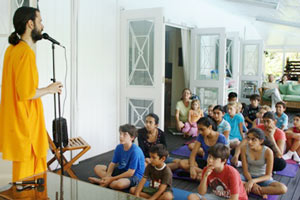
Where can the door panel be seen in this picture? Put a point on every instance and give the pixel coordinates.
(142, 65)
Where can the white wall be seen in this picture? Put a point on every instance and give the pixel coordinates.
(98, 91)
(95, 85)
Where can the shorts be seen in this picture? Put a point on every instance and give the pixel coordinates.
(134, 180)
(201, 163)
(262, 184)
(151, 191)
(209, 195)
(169, 159)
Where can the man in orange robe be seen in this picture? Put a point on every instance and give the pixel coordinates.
(23, 136)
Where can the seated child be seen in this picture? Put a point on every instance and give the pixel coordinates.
(130, 160)
(257, 163)
(275, 140)
(224, 180)
(251, 110)
(159, 174)
(223, 125)
(281, 118)
(195, 113)
(236, 124)
(232, 97)
(259, 116)
(293, 140)
(210, 112)
(208, 137)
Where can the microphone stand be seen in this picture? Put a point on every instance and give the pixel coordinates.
(58, 125)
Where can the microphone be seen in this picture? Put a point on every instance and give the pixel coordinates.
(38, 181)
(47, 37)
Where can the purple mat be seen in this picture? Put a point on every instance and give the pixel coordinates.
(270, 197)
(182, 177)
(291, 161)
(182, 151)
(290, 170)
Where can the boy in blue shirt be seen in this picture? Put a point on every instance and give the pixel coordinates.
(281, 118)
(130, 160)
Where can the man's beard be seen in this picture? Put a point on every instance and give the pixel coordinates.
(36, 35)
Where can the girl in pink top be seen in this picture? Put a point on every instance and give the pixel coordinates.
(190, 127)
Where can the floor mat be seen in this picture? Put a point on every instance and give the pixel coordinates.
(182, 151)
(290, 170)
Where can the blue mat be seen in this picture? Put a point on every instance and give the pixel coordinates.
(180, 194)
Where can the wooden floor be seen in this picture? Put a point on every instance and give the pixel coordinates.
(85, 169)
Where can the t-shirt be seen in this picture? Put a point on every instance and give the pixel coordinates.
(205, 147)
(296, 130)
(234, 124)
(223, 126)
(269, 85)
(131, 159)
(183, 110)
(278, 135)
(22, 123)
(283, 120)
(226, 183)
(145, 145)
(251, 112)
(157, 177)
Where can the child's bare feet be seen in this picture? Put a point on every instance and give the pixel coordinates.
(94, 180)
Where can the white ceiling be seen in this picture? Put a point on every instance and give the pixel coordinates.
(274, 34)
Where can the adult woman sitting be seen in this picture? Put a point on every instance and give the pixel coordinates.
(151, 135)
(208, 137)
(182, 109)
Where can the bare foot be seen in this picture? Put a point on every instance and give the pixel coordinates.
(94, 180)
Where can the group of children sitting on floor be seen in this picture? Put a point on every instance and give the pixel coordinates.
(222, 143)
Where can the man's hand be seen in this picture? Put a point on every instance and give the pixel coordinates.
(55, 87)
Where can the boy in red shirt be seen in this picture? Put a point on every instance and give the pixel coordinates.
(224, 180)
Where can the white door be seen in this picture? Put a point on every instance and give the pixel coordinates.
(142, 65)
(232, 63)
(251, 68)
(207, 74)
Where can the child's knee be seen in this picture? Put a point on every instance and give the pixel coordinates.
(167, 196)
(282, 188)
(183, 164)
(193, 196)
(132, 190)
(119, 185)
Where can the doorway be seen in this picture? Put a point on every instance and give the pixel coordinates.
(174, 73)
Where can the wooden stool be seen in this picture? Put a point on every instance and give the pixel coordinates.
(76, 143)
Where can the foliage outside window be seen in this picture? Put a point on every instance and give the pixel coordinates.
(274, 63)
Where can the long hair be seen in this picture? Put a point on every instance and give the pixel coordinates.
(20, 19)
